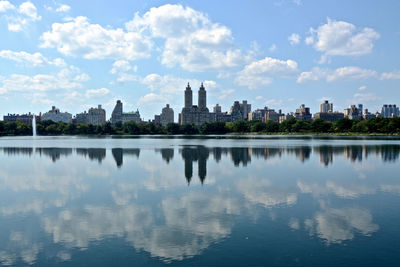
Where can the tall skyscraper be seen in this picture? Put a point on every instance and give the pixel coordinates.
(188, 97)
(202, 97)
(326, 107)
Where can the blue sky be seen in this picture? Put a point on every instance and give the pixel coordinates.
(280, 54)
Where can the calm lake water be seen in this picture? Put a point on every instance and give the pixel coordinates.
(257, 201)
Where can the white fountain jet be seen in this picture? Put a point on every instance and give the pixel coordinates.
(34, 125)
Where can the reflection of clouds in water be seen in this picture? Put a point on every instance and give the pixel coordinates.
(42, 179)
(343, 191)
(337, 225)
(92, 223)
(161, 176)
(294, 223)
(363, 167)
(192, 223)
(393, 189)
(18, 248)
(261, 191)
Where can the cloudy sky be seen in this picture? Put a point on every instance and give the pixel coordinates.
(278, 53)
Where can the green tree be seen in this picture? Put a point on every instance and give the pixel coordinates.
(271, 126)
(257, 126)
(321, 126)
(343, 125)
(301, 126)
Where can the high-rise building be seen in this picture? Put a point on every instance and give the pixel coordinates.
(326, 107)
(390, 111)
(167, 115)
(119, 116)
(192, 114)
(96, 116)
(353, 112)
(245, 109)
(55, 115)
(303, 113)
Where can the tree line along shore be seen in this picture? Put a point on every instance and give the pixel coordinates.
(389, 126)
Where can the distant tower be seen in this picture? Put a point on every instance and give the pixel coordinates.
(202, 97)
(116, 115)
(188, 97)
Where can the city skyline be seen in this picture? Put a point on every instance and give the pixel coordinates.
(277, 54)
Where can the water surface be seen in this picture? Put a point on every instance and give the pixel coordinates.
(233, 201)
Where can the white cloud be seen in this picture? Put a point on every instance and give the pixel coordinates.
(272, 48)
(63, 8)
(125, 77)
(168, 84)
(19, 18)
(294, 39)
(97, 92)
(340, 74)
(79, 37)
(67, 78)
(36, 59)
(151, 98)
(351, 73)
(274, 103)
(362, 88)
(340, 38)
(120, 66)
(5, 5)
(394, 75)
(367, 97)
(192, 41)
(28, 9)
(262, 72)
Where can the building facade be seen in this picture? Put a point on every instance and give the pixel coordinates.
(326, 107)
(390, 111)
(192, 114)
(57, 116)
(303, 113)
(166, 116)
(354, 112)
(119, 116)
(25, 118)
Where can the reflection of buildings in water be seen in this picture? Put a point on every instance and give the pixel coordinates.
(118, 154)
(389, 152)
(354, 153)
(240, 155)
(218, 152)
(54, 153)
(167, 154)
(191, 154)
(10, 151)
(93, 153)
(302, 152)
(266, 152)
(325, 154)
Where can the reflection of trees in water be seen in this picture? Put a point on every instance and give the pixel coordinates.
(10, 151)
(54, 153)
(302, 152)
(93, 153)
(167, 154)
(240, 155)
